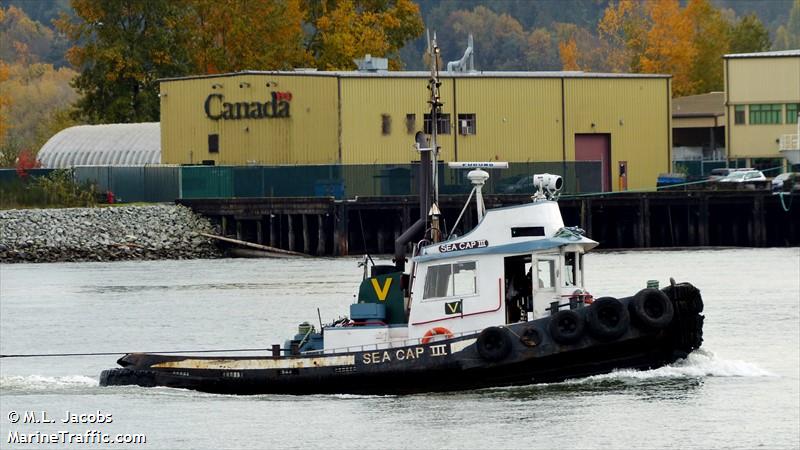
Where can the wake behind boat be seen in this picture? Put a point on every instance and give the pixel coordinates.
(505, 304)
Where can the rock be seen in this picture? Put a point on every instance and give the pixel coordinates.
(104, 234)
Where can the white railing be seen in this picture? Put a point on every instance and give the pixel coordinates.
(385, 345)
(790, 142)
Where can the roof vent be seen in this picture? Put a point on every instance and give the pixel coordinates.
(370, 64)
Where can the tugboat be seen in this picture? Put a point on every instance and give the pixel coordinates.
(504, 304)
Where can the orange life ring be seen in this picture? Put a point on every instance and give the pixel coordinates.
(437, 331)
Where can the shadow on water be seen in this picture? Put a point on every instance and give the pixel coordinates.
(655, 389)
(124, 289)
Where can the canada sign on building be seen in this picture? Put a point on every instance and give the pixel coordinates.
(217, 108)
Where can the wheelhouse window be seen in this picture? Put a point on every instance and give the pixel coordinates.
(448, 280)
(546, 271)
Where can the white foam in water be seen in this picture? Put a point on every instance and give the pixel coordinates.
(42, 383)
(700, 363)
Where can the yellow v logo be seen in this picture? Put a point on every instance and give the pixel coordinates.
(453, 307)
(381, 292)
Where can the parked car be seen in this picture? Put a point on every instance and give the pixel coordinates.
(793, 179)
(743, 176)
(722, 172)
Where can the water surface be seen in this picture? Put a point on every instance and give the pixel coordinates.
(742, 390)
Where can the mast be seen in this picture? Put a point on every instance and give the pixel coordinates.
(436, 106)
(428, 170)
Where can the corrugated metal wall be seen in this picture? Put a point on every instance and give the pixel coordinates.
(517, 119)
(364, 103)
(308, 136)
(635, 112)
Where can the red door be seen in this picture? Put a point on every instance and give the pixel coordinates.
(596, 147)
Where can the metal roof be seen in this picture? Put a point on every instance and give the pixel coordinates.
(422, 74)
(775, 54)
(703, 105)
(116, 144)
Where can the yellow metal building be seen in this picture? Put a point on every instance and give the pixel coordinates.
(762, 97)
(307, 117)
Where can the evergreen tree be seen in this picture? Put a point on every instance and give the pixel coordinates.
(749, 35)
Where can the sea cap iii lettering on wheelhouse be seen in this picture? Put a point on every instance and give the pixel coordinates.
(469, 245)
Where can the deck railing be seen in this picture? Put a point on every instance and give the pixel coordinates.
(395, 343)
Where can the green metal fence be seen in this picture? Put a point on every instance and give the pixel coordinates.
(350, 181)
(133, 183)
(698, 168)
(167, 183)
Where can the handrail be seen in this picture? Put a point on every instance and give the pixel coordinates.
(383, 345)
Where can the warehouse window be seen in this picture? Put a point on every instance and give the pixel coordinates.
(386, 124)
(739, 115)
(466, 124)
(442, 124)
(411, 123)
(765, 114)
(213, 143)
(792, 110)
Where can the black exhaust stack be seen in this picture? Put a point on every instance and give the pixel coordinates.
(424, 202)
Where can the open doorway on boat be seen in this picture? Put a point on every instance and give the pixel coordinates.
(519, 289)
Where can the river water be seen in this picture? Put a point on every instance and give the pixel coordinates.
(741, 390)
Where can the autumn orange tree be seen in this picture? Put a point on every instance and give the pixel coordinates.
(669, 46)
(5, 101)
(623, 35)
(39, 92)
(232, 35)
(658, 36)
(711, 37)
(342, 30)
(122, 47)
(577, 47)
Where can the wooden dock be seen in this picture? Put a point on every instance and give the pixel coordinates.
(328, 227)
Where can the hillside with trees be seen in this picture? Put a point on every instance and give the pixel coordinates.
(64, 62)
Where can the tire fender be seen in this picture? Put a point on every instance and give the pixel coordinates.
(607, 318)
(566, 326)
(494, 344)
(651, 309)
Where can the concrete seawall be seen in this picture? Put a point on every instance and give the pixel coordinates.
(104, 234)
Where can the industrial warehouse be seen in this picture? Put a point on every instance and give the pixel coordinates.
(363, 117)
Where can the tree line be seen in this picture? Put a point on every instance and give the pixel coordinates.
(98, 61)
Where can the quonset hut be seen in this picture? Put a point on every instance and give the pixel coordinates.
(119, 144)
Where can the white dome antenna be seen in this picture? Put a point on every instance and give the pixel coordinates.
(478, 177)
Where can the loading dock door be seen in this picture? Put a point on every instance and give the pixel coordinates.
(596, 147)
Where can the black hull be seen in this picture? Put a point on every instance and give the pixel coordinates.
(455, 364)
